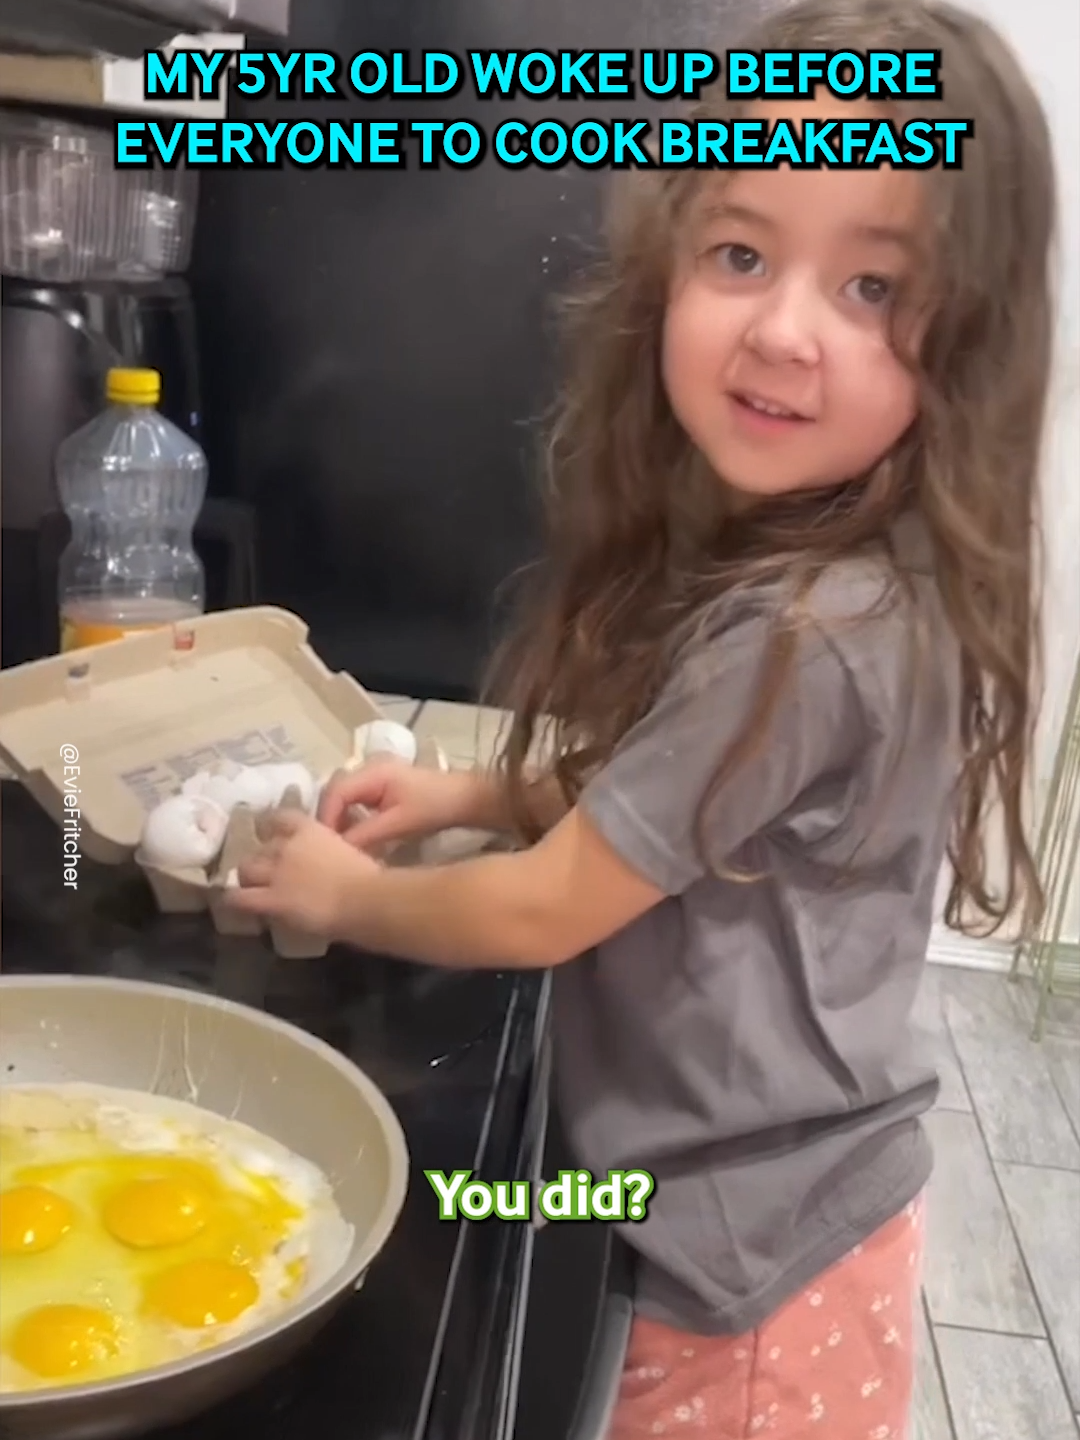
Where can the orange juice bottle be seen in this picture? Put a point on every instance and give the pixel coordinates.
(132, 485)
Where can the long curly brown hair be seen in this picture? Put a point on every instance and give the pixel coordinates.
(637, 539)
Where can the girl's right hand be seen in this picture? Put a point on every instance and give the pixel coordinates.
(405, 802)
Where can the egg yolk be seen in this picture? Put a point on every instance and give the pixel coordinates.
(153, 1213)
(32, 1219)
(201, 1293)
(60, 1339)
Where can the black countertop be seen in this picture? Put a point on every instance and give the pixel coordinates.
(423, 1352)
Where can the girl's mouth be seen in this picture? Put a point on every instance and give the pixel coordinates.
(763, 414)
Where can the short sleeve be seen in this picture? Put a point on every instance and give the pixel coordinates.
(645, 801)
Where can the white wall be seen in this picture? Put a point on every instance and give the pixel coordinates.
(1046, 36)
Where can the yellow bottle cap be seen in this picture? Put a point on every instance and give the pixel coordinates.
(133, 387)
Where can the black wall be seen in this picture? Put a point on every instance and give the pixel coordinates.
(376, 344)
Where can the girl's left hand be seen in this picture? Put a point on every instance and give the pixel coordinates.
(305, 875)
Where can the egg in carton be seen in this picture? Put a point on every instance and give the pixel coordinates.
(183, 836)
(181, 888)
(231, 832)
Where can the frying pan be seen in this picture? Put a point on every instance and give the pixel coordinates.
(239, 1063)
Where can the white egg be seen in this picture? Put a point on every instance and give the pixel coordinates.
(222, 790)
(202, 780)
(225, 783)
(254, 787)
(184, 831)
(260, 787)
(384, 737)
(291, 776)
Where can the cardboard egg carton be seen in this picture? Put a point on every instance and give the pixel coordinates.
(188, 891)
(246, 833)
(100, 736)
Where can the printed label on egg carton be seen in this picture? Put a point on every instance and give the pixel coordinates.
(157, 781)
(193, 890)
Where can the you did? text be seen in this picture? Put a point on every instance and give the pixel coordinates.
(575, 1195)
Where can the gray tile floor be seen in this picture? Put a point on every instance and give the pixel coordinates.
(1000, 1346)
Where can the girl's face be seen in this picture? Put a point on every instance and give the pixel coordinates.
(776, 351)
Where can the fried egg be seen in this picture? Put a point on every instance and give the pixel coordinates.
(136, 1230)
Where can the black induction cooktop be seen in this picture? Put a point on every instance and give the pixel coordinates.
(420, 1353)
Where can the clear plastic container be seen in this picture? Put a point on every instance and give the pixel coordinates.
(132, 485)
(68, 214)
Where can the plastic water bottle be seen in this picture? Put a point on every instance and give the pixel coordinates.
(132, 485)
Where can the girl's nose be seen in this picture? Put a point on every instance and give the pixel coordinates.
(786, 325)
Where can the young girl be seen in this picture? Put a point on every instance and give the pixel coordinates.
(784, 635)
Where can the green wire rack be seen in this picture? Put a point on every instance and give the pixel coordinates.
(1051, 962)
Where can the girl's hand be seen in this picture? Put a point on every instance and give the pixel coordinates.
(305, 875)
(529, 910)
(405, 802)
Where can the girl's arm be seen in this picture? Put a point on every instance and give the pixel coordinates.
(529, 910)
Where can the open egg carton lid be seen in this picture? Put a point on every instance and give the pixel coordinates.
(101, 736)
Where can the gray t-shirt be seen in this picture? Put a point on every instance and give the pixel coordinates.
(748, 1042)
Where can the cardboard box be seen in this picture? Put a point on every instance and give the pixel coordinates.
(101, 735)
(106, 82)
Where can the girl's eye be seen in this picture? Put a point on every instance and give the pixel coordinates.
(873, 290)
(740, 259)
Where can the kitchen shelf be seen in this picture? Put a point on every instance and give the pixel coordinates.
(128, 28)
(102, 82)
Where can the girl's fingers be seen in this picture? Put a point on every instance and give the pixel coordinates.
(280, 824)
(333, 803)
(256, 870)
(365, 787)
(252, 898)
(376, 829)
